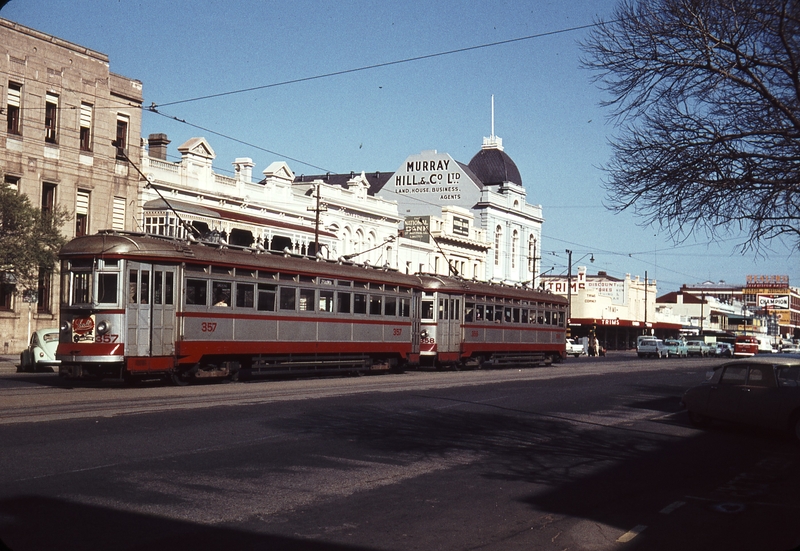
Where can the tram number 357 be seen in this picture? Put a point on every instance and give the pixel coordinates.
(208, 326)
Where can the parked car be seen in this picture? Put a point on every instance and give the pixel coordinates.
(745, 345)
(790, 349)
(762, 391)
(574, 348)
(677, 348)
(647, 348)
(697, 348)
(41, 352)
(723, 350)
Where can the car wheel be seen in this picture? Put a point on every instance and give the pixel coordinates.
(698, 420)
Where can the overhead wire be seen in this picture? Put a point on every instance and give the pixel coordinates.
(379, 65)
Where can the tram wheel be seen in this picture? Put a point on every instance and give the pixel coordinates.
(178, 379)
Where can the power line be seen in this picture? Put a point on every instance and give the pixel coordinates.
(153, 109)
(379, 65)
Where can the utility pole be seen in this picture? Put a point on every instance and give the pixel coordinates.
(645, 302)
(317, 209)
(569, 288)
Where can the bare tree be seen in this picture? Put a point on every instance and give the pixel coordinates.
(706, 98)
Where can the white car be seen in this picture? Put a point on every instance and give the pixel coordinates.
(652, 347)
(574, 348)
(41, 352)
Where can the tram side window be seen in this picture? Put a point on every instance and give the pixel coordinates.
(169, 287)
(469, 311)
(81, 285)
(288, 298)
(562, 316)
(343, 302)
(266, 297)
(508, 314)
(375, 304)
(489, 312)
(427, 309)
(547, 317)
(390, 308)
(158, 287)
(524, 318)
(245, 295)
(306, 300)
(326, 301)
(479, 312)
(498, 314)
(359, 303)
(133, 286)
(405, 307)
(196, 291)
(222, 293)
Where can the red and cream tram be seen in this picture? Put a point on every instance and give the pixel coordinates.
(139, 306)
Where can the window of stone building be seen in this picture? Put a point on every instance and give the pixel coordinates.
(11, 181)
(82, 213)
(86, 127)
(118, 214)
(44, 291)
(7, 288)
(51, 118)
(122, 135)
(13, 108)
(48, 199)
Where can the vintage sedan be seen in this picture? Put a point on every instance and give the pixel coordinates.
(41, 352)
(698, 348)
(677, 348)
(762, 391)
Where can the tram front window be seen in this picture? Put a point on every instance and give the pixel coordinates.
(427, 309)
(106, 288)
(81, 288)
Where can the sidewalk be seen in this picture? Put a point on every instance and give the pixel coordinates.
(8, 364)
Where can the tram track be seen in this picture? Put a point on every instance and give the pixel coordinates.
(32, 404)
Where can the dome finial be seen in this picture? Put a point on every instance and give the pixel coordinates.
(492, 142)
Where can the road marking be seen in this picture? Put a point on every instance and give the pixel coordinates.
(632, 533)
(672, 506)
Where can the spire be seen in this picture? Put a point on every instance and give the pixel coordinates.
(492, 142)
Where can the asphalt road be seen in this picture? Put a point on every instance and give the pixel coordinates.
(593, 454)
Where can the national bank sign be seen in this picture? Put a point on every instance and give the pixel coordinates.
(428, 181)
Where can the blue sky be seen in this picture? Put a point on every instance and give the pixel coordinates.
(546, 107)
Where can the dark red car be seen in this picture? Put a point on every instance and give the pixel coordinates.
(762, 391)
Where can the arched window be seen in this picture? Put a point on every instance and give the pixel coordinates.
(514, 247)
(498, 234)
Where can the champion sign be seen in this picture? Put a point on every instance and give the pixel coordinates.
(773, 301)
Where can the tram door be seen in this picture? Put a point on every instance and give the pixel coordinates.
(151, 310)
(416, 298)
(448, 325)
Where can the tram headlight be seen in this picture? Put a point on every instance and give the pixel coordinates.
(103, 327)
(65, 327)
(424, 333)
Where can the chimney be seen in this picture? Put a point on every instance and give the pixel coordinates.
(157, 146)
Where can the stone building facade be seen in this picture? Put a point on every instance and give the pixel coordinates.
(63, 108)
